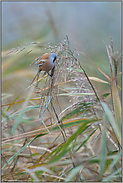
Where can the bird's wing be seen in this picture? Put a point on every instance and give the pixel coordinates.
(41, 62)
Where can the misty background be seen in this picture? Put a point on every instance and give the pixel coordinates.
(88, 25)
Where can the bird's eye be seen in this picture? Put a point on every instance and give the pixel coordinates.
(54, 59)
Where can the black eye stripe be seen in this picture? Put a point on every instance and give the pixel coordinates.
(54, 59)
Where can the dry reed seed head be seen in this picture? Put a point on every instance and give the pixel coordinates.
(64, 68)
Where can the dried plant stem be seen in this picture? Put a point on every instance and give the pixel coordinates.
(8, 168)
(90, 83)
(64, 137)
(62, 131)
(70, 52)
(86, 76)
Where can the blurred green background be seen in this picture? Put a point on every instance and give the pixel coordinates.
(87, 24)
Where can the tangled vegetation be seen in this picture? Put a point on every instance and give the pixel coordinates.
(45, 139)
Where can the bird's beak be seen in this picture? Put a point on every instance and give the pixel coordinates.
(57, 59)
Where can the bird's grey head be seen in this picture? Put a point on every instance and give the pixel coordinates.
(53, 57)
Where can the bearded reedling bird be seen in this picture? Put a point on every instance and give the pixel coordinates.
(46, 63)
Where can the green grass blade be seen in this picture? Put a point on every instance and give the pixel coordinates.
(85, 141)
(117, 157)
(18, 119)
(72, 173)
(103, 150)
(11, 104)
(111, 177)
(73, 123)
(76, 111)
(112, 121)
(65, 148)
(15, 155)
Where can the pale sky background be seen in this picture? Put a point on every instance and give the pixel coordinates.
(87, 24)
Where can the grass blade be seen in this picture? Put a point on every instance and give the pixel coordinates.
(18, 119)
(112, 121)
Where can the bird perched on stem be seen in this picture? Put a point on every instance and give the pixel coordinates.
(46, 63)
